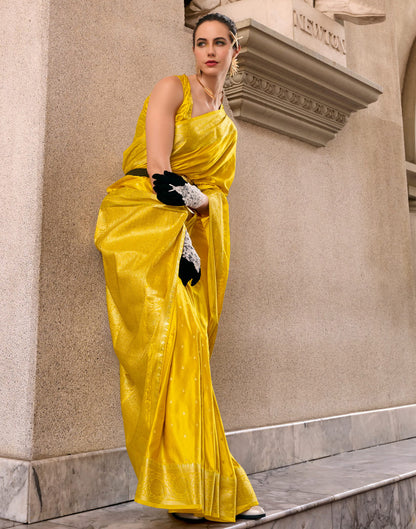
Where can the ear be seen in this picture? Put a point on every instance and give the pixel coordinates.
(236, 51)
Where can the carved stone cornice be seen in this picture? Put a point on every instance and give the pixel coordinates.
(409, 106)
(285, 87)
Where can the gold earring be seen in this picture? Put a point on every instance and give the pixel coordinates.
(233, 67)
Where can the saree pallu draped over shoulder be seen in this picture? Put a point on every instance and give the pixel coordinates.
(163, 333)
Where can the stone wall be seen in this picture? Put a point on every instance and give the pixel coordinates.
(23, 65)
(102, 64)
(404, 13)
(319, 315)
(319, 312)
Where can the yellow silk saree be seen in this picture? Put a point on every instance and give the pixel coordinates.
(163, 333)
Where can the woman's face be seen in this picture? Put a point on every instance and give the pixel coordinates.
(213, 48)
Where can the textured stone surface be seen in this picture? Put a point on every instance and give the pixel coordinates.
(319, 32)
(66, 485)
(317, 518)
(5, 524)
(263, 449)
(23, 66)
(259, 449)
(320, 282)
(321, 438)
(359, 490)
(293, 19)
(407, 499)
(306, 328)
(69, 484)
(367, 427)
(404, 12)
(319, 314)
(14, 490)
(103, 62)
(375, 508)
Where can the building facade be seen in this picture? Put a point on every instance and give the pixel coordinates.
(319, 314)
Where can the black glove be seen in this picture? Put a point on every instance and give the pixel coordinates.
(173, 190)
(190, 263)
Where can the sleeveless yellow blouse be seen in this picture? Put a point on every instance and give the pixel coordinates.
(163, 333)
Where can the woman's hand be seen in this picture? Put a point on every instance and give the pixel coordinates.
(190, 263)
(174, 190)
(203, 210)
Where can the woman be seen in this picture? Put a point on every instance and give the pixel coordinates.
(163, 233)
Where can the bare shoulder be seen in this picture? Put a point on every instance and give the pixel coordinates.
(168, 91)
(171, 82)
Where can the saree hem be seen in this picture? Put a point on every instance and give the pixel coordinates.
(169, 508)
(196, 510)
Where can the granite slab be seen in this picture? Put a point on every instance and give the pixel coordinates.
(373, 487)
(33, 491)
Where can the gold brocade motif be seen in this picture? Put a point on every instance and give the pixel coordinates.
(163, 333)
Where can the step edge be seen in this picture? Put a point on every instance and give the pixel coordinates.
(325, 501)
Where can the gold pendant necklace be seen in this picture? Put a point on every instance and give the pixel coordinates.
(208, 91)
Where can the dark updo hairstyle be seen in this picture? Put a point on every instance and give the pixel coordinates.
(219, 18)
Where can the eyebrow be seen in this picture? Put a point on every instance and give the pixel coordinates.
(215, 38)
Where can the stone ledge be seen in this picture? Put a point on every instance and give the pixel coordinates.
(58, 486)
(39, 490)
(285, 87)
(374, 487)
(261, 449)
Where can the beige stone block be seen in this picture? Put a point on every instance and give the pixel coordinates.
(296, 20)
(355, 11)
(372, 53)
(318, 32)
(409, 106)
(23, 66)
(275, 14)
(320, 278)
(404, 14)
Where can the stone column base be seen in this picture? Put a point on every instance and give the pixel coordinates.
(49, 488)
(38, 490)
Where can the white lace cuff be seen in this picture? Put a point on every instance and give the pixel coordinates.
(189, 252)
(191, 195)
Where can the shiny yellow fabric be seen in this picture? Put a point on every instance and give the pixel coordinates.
(163, 333)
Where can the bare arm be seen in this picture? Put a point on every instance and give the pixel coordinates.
(164, 102)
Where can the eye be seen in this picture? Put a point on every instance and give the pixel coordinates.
(200, 43)
(220, 42)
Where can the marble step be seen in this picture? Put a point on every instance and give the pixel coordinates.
(369, 488)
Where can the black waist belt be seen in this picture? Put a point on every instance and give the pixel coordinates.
(139, 171)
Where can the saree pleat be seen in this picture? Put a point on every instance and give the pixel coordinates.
(163, 333)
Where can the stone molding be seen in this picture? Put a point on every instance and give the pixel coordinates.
(261, 449)
(411, 184)
(32, 491)
(285, 87)
(411, 173)
(409, 124)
